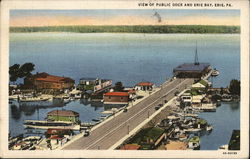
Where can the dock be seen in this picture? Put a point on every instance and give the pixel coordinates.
(118, 126)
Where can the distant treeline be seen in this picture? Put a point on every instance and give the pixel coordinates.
(132, 29)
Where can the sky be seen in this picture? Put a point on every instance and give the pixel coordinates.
(124, 17)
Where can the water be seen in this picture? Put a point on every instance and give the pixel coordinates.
(129, 58)
(224, 121)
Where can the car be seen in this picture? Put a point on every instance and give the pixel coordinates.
(160, 105)
(125, 110)
(157, 107)
(86, 133)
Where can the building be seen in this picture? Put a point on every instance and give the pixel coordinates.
(196, 100)
(191, 70)
(46, 81)
(144, 86)
(130, 147)
(202, 84)
(63, 115)
(94, 84)
(116, 98)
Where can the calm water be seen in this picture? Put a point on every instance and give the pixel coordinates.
(226, 119)
(129, 58)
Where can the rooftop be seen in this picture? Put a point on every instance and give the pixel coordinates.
(50, 78)
(145, 84)
(116, 94)
(63, 113)
(192, 67)
(130, 147)
(88, 79)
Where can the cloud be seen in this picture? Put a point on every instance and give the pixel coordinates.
(122, 20)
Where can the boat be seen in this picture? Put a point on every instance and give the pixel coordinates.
(192, 130)
(218, 103)
(44, 124)
(215, 72)
(66, 99)
(209, 128)
(226, 98)
(33, 99)
(223, 147)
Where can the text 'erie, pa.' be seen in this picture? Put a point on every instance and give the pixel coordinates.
(152, 4)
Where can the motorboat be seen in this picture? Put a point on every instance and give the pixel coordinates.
(215, 72)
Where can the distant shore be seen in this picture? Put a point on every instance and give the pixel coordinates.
(200, 29)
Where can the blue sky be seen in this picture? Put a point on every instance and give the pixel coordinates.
(95, 15)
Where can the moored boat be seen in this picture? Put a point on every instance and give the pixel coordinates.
(215, 72)
(43, 124)
(33, 99)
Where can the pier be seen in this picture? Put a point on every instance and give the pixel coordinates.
(120, 125)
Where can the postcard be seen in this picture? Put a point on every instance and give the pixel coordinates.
(124, 79)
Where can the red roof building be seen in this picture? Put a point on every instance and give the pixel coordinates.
(130, 147)
(45, 81)
(144, 86)
(116, 98)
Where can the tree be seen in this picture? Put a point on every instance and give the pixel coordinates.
(13, 72)
(234, 87)
(118, 87)
(26, 69)
(16, 71)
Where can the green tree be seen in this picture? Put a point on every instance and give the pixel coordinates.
(26, 69)
(234, 87)
(13, 72)
(16, 71)
(118, 87)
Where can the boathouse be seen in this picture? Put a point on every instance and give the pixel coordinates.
(116, 98)
(191, 70)
(46, 81)
(94, 84)
(63, 115)
(144, 86)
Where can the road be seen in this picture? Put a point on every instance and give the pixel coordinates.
(112, 131)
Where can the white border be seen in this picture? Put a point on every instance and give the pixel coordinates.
(243, 5)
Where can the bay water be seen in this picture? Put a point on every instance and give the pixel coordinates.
(129, 58)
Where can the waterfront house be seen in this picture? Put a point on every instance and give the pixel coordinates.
(149, 138)
(94, 84)
(116, 98)
(44, 80)
(63, 115)
(196, 100)
(144, 86)
(186, 98)
(131, 92)
(202, 84)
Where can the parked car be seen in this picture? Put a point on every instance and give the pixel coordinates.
(157, 107)
(125, 110)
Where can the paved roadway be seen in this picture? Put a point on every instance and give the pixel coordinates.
(112, 131)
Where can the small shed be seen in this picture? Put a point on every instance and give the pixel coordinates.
(63, 115)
